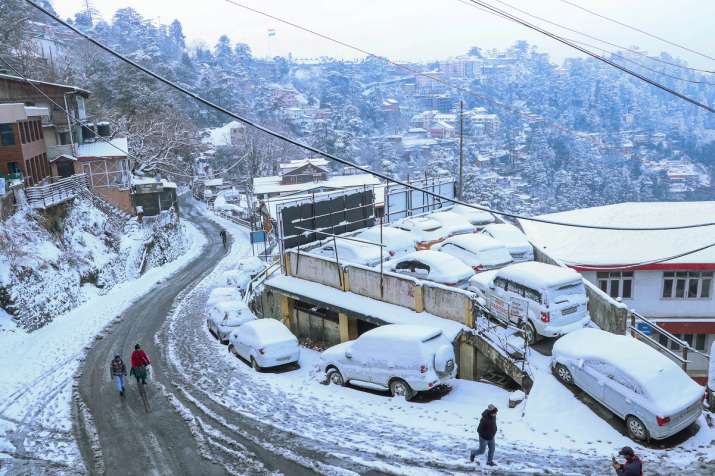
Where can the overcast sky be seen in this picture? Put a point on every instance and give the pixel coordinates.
(425, 29)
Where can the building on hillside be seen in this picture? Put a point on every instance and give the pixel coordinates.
(151, 196)
(303, 171)
(23, 153)
(631, 266)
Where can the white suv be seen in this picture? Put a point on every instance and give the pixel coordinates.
(404, 359)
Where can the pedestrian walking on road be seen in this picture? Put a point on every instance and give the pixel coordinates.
(117, 371)
(224, 238)
(487, 431)
(139, 363)
(633, 466)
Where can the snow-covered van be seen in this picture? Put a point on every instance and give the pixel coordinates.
(545, 300)
(404, 359)
(654, 396)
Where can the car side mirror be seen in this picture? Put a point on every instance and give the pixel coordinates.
(491, 286)
(348, 354)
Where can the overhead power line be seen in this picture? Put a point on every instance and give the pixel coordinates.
(631, 27)
(334, 158)
(586, 35)
(590, 53)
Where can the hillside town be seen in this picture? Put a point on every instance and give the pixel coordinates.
(217, 262)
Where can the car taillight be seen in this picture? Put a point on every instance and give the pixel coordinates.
(477, 268)
(262, 350)
(392, 252)
(545, 316)
(662, 420)
(423, 369)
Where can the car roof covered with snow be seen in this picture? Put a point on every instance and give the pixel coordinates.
(268, 330)
(419, 223)
(538, 275)
(393, 237)
(507, 234)
(442, 263)
(403, 332)
(350, 250)
(454, 222)
(475, 216)
(230, 305)
(666, 383)
(473, 242)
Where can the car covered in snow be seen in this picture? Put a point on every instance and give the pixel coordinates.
(453, 223)
(224, 316)
(478, 251)
(516, 242)
(397, 242)
(349, 251)
(426, 230)
(476, 217)
(242, 274)
(654, 396)
(431, 265)
(264, 343)
(543, 299)
(222, 294)
(404, 359)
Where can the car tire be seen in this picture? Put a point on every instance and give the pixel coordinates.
(563, 374)
(232, 349)
(529, 330)
(335, 377)
(635, 428)
(400, 388)
(255, 365)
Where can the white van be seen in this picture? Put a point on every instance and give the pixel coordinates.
(545, 300)
(404, 359)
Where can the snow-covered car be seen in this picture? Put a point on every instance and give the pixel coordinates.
(516, 242)
(478, 251)
(242, 274)
(264, 343)
(404, 359)
(478, 218)
(453, 223)
(426, 230)
(545, 300)
(225, 316)
(432, 266)
(654, 396)
(397, 242)
(223, 294)
(349, 251)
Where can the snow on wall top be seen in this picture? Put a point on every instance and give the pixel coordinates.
(611, 247)
(273, 183)
(114, 148)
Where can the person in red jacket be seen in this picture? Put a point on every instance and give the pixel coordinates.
(139, 363)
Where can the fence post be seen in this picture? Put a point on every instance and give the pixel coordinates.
(633, 324)
(685, 358)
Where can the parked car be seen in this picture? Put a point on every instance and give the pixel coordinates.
(636, 382)
(478, 251)
(349, 251)
(545, 300)
(246, 269)
(426, 230)
(264, 343)
(516, 242)
(453, 223)
(224, 316)
(478, 218)
(432, 266)
(397, 242)
(223, 294)
(404, 359)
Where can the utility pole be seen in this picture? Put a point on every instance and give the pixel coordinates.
(460, 190)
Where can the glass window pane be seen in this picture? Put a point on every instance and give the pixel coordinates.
(668, 274)
(705, 288)
(614, 288)
(693, 288)
(674, 345)
(601, 275)
(681, 274)
(688, 338)
(680, 288)
(700, 341)
(603, 284)
(628, 274)
(668, 288)
(707, 274)
(615, 274)
(627, 284)
(694, 274)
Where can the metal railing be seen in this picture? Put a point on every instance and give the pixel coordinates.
(645, 335)
(44, 196)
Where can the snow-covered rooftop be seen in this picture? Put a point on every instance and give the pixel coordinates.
(110, 148)
(610, 247)
(273, 183)
(221, 136)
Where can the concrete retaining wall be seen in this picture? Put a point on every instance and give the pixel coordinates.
(313, 268)
(448, 303)
(400, 290)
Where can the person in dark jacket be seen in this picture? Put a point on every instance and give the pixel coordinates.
(117, 371)
(139, 363)
(632, 466)
(487, 431)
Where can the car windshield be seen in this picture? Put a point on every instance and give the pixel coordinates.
(566, 291)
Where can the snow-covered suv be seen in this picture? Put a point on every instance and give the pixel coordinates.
(404, 359)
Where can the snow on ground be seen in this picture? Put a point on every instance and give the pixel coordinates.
(551, 430)
(38, 370)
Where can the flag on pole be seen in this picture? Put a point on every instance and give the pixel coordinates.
(271, 32)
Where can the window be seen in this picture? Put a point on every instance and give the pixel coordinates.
(687, 284)
(7, 136)
(23, 132)
(617, 284)
(500, 282)
(532, 295)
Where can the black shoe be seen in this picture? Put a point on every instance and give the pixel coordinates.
(121, 393)
(472, 454)
(491, 463)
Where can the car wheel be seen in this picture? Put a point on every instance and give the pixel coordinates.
(529, 332)
(255, 365)
(232, 349)
(335, 377)
(563, 374)
(400, 388)
(636, 429)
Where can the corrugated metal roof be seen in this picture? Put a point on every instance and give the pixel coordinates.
(112, 148)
